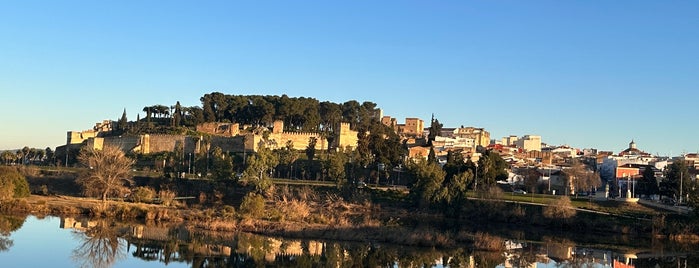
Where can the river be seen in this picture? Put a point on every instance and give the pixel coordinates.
(29, 241)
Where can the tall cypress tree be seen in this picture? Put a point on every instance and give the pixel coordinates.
(122, 124)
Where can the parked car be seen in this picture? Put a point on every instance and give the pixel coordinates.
(519, 191)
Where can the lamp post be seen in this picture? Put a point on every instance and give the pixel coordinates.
(475, 185)
(681, 182)
(628, 186)
(549, 181)
(189, 164)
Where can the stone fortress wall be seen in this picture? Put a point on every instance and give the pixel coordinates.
(226, 136)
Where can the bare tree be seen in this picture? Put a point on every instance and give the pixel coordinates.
(580, 178)
(99, 246)
(109, 169)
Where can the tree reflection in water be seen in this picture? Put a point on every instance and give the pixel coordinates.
(9, 224)
(99, 246)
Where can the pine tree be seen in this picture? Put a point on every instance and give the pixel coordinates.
(123, 122)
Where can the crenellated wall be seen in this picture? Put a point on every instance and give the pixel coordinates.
(346, 137)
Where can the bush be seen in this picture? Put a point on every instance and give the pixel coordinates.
(142, 194)
(559, 209)
(166, 197)
(12, 184)
(227, 212)
(253, 205)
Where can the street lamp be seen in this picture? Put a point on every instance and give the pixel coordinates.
(189, 164)
(475, 185)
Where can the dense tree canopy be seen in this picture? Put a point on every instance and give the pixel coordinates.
(491, 168)
(298, 114)
(676, 179)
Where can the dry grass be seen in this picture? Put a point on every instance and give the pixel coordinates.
(295, 210)
(29, 171)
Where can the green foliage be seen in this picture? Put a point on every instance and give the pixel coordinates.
(335, 166)
(12, 184)
(435, 129)
(386, 146)
(253, 205)
(221, 165)
(298, 114)
(287, 156)
(429, 177)
(491, 168)
(648, 185)
(311, 148)
(676, 176)
(259, 168)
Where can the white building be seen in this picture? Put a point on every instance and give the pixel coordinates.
(529, 143)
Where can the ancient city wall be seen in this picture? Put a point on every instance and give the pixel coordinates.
(168, 143)
(223, 129)
(228, 144)
(126, 143)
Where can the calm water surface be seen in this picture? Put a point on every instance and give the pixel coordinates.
(55, 242)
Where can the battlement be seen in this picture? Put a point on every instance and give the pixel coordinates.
(307, 134)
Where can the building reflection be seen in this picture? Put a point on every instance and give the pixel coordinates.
(179, 244)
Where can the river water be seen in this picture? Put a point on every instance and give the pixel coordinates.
(68, 242)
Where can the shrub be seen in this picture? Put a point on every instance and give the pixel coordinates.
(142, 194)
(44, 189)
(559, 209)
(253, 205)
(227, 212)
(7, 187)
(166, 197)
(12, 184)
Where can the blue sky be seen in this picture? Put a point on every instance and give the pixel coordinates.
(584, 73)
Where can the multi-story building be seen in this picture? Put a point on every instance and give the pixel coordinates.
(480, 136)
(413, 127)
(509, 140)
(529, 143)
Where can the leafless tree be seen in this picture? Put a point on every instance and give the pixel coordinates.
(99, 246)
(580, 178)
(109, 170)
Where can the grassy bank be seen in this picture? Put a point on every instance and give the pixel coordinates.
(294, 209)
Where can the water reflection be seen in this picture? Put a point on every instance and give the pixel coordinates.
(103, 243)
(99, 244)
(9, 224)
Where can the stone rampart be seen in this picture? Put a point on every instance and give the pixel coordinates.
(125, 143)
(169, 143)
(221, 129)
(228, 144)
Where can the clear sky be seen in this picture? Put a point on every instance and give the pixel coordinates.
(590, 74)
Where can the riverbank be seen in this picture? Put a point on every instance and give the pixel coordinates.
(344, 221)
